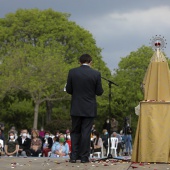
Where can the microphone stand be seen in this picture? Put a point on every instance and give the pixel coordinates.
(109, 96)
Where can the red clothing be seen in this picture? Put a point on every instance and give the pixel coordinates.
(45, 151)
(69, 144)
(41, 134)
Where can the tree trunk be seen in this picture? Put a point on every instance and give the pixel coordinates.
(36, 109)
(48, 111)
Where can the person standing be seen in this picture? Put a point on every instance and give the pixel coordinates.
(83, 83)
(114, 125)
(107, 125)
(105, 137)
(128, 139)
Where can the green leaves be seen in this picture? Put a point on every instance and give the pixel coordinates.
(37, 48)
(129, 77)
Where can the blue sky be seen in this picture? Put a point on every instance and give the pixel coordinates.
(118, 26)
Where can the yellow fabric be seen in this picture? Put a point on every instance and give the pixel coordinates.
(158, 56)
(156, 82)
(152, 140)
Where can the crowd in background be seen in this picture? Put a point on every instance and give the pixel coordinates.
(124, 136)
(37, 143)
(41, 143)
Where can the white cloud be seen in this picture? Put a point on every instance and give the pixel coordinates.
(154, 19)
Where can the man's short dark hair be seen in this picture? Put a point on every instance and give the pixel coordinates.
(85, 58)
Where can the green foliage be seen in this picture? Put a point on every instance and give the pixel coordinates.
(37, 48)
(16, 112)
(129, 77)
(59, 124)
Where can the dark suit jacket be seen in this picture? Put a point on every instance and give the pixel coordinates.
(84, 84)
(26, 145)
(50, 142)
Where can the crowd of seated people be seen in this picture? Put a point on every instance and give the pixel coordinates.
(36, 144)
(98, 141)
(43, 143)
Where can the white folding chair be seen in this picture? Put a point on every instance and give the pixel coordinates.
(113, 145)
(99, 154)
(2, 143)
(40, 154)
(49, 153)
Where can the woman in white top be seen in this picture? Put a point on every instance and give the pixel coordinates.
(97, 142)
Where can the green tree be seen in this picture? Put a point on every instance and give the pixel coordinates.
(37, 48)
(129, 77)
(43, 76)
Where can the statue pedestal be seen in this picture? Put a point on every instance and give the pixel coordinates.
(152, 139)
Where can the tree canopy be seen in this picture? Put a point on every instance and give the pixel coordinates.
(129, 77)
(37, 48)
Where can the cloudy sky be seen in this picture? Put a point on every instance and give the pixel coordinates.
(118, 26)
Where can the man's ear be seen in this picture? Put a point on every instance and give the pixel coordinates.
(90, 63)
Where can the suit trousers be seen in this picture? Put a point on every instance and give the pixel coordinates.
(80, 137)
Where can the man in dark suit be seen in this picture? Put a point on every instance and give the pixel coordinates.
(24, 143)
(83, 83)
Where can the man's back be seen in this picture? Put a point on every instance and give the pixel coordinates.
(84, 84)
